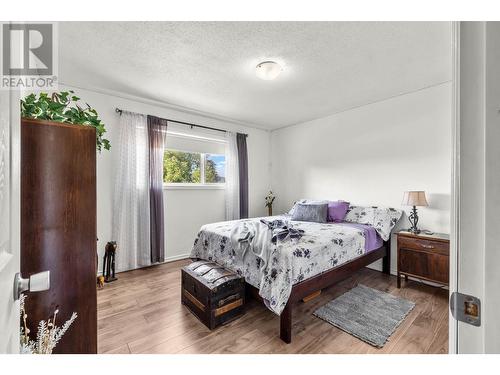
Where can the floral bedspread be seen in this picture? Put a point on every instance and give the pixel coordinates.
(322, 247)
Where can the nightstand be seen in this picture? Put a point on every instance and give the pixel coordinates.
(424, 256)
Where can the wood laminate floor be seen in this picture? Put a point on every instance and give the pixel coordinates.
(141, 313)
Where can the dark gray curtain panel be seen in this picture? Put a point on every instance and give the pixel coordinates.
(241, 141)
(157, 128)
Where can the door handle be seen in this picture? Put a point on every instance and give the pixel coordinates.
(36, 283)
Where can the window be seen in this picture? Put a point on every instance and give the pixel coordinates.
(215, 168)
(193, 168)
(181, 167)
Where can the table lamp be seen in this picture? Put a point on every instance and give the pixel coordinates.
(414, 198)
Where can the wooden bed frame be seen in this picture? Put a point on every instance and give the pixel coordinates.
(324, 280)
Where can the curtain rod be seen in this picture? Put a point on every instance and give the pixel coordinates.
(118, 110)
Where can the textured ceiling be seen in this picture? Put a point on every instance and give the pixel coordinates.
(210, 66)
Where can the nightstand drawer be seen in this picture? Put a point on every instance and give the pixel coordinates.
(434, 247)
(423, 264)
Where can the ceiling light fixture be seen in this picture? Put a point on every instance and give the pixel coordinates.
(268, 70)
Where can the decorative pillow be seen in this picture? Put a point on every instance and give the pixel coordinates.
(315, 212)
(382, 219)
(337, 210)
(305, 201)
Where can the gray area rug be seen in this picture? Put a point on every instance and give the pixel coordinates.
(366, 313)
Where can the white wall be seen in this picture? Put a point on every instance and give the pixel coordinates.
(370, 155)
(186, 210)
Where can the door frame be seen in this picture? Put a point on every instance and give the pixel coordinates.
(455, 181)
(11, 253)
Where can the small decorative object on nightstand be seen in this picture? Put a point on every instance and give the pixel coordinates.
(424, 256)
(269, 202)
(414, 198)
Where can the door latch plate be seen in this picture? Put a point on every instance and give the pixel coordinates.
(465, 308)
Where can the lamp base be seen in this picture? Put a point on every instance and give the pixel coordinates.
(413, 219)
(414, 230)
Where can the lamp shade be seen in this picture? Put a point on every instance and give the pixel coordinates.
(414, 198)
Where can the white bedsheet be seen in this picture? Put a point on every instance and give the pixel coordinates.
(321, 248)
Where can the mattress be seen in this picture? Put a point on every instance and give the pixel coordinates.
(322, 247)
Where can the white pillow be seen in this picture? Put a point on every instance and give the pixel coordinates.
(383, 219)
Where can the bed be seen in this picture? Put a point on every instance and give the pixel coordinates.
(325, 254)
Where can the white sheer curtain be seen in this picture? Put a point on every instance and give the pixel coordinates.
(131, 202)
(232, 178)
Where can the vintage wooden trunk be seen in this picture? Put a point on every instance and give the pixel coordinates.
(212, 293)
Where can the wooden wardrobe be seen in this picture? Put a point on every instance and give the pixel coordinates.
(58, 227)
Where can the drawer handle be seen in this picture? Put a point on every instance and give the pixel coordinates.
(427, 246)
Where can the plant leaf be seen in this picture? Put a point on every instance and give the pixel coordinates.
(63, 107)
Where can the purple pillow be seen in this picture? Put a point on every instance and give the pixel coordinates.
(337, 210)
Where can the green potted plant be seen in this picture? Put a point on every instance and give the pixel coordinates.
(64, 107)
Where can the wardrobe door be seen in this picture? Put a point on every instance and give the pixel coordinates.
(58, 227)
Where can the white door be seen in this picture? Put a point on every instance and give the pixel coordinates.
(475, 271)
(9, 219)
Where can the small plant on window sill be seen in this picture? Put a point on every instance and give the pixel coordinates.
(269, 202)
(48, 334)
(64, 107)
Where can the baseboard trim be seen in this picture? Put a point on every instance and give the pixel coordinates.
(176, 257)
(167, 260)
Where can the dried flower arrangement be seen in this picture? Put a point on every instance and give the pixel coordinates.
(48, 334)
(269, 202)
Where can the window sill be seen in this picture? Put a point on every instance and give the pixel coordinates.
(194, 186)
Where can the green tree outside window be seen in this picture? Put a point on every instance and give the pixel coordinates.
(181, 167)
(185, 167)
